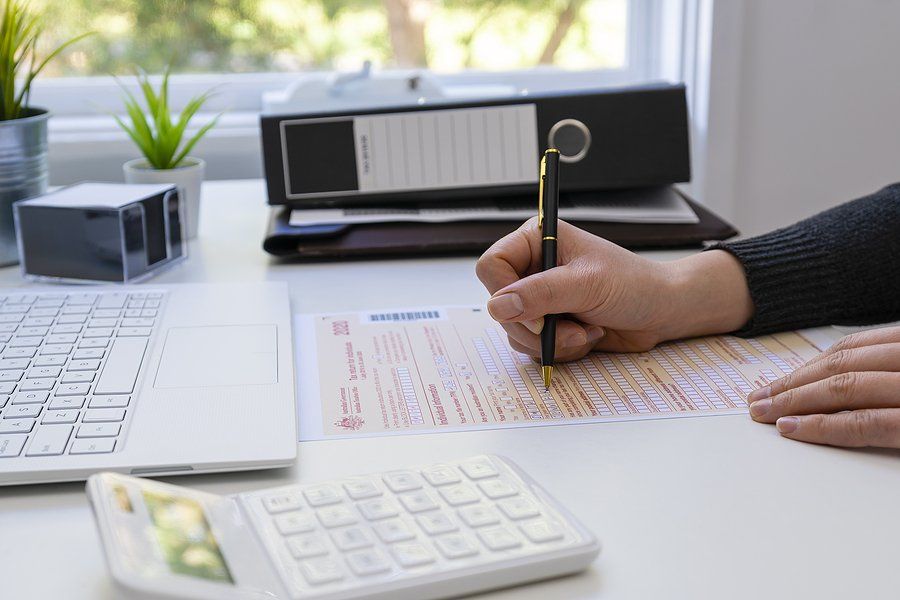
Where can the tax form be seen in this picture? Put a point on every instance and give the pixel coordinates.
(426, 370)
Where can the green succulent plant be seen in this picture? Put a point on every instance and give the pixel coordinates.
(160, 137)
(20, 31)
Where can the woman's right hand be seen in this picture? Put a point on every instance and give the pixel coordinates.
(610, 298)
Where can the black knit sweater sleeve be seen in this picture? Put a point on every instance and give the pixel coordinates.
(840, 267)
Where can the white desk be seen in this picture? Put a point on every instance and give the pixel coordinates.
(716, 507)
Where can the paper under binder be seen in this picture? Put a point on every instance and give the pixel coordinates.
(608, 139)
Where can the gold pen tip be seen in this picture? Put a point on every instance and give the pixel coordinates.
(548, 373)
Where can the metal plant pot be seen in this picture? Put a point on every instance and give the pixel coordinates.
(23, 172)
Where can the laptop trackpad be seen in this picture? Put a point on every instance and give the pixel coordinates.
(216, 356)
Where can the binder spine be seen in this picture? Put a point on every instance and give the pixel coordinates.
(609, 139)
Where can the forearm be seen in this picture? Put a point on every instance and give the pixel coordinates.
(707, 294)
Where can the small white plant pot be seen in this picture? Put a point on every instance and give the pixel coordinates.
(187, 177)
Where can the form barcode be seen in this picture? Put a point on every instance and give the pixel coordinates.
(402, 316)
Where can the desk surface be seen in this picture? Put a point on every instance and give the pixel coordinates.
(715, 507)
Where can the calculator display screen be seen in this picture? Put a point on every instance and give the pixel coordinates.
(185, 538)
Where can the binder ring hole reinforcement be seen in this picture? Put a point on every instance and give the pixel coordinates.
(572, 138)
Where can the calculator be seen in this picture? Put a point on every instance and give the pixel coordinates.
(437, 531)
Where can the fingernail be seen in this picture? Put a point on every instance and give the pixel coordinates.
(535, 326)
(577, 338)
(760, 407)
(763, 392)
(507, 306)
(787, 424)
(594, 333)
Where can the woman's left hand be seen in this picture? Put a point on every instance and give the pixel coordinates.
(847, 396)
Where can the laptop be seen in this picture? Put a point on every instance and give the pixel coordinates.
(145, 380)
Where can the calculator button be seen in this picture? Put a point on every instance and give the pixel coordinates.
(436, 524)
(336, 516)
(457, 495)
(351, 538)
(411, 554)
(402, 481)
(478, 469)
(322, 495)
(306, 546)
(497, 488)
(499, 538)
(374, 510)
(454, 545)
(417, 502)
(277, 503)
(541, 531)
(394, 530)
(362, 489)
(322, 570)
(441, 475)
(519, 508)
(293, 522)
(368, 562)
(479, 516)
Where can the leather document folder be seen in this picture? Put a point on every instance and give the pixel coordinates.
(415, 240)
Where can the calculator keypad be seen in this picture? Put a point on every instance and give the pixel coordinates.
(349, 534)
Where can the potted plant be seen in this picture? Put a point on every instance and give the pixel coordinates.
(23, 128)
(164, 144)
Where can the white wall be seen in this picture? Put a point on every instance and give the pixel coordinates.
(815, 118)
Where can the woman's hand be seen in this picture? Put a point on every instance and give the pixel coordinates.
(847, 396)
(612, 299)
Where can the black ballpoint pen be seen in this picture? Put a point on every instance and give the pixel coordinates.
(548, 213)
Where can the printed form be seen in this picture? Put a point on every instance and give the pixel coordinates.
(451, 369)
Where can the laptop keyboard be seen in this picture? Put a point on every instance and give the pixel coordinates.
(68, 367)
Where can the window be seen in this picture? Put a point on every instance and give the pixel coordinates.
(248, 47)
(239, 36)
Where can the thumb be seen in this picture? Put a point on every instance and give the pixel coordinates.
(546, 293)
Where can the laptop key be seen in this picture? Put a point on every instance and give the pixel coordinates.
(56, 349)
(40, 372)
(78, 377)
(50, 361)
(60, 416)
(16, 425)
(50, 440)
(93, 446)
(73, 402)
(98, 430)
(13, 363)
(19, 353)
(37, 384)
(94, 415)
(30, 398)
(84, 365)
(22, 411)
(122, 366)
(109, 401)
(73, 389)
(11, 375)
(11, 445)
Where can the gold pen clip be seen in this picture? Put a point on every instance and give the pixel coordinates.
(541, 192)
